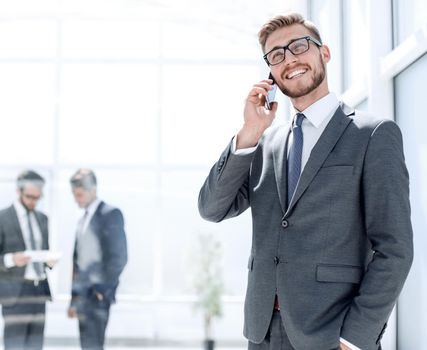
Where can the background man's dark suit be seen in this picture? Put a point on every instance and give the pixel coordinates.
(15, 291)
(94, 287)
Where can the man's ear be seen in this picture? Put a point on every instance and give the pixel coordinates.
(93, 191)
(326, 53)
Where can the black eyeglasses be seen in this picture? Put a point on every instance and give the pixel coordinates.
(296, 47)
(31, 197)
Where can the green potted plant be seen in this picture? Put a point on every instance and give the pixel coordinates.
(208, 283)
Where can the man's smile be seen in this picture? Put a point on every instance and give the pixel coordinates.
(295, 73)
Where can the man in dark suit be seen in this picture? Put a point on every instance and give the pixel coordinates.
(24, 288)
(100, 256)
(329, 196)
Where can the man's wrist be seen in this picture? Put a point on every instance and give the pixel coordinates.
(248, 137)
(241, 151)
(8, 260)
(348, 344)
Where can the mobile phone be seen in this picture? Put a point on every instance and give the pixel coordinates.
(271, 94)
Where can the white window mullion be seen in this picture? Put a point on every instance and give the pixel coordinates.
(405, 54)
(380, 90)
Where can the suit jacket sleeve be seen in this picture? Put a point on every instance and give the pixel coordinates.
(225, 192)
(2, 253)
(114, 247)
(385, 193)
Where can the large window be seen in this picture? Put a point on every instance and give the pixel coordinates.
(410, 62)
(344, 28)
(147, 94)
(355, 43)
(412, 317)
(409, 15)
(321, 12)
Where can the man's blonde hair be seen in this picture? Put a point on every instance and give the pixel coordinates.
(284, 21)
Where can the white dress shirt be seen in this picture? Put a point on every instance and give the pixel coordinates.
(317, 117)
(21, 212)
(85, 219)
(88, 244)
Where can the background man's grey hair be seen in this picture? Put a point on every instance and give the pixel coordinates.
(29, 177)
(83, 178)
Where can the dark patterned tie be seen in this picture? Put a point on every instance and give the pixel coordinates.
(295, 155)
(38, 267)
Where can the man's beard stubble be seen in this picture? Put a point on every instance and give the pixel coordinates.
(319, 76)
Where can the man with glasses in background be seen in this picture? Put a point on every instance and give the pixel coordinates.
(24, 288)
(329, 196)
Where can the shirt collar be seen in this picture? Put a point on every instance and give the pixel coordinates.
(321, 109)
(93, 206)
(20, 209)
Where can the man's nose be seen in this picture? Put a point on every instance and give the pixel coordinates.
(289, 57)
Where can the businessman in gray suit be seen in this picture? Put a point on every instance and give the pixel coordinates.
(24, 288)
(100, 255)
(329, 196)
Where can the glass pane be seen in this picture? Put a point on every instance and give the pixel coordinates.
(213, 41)
(203, 110)
(110, 39)
(7, 187)
(133, 192)
(8, 192)
(13, 8)
(409, 16)
(181, 226)
(135, 90)
(28, 38)
(321, 12)
(27, 108)
(410, 108)
(108, 114)
(356, 42)
(363, 106)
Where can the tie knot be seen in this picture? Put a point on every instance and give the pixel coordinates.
(300, 118)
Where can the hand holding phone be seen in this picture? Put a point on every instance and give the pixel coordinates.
(271, 94)
(259, 113)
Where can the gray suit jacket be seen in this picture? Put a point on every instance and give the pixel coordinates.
(11, 240)
(107, 225)
(337, 258)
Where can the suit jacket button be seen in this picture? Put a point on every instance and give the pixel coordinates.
(276, 260)
(285, 223)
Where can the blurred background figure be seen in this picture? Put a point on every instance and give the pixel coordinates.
(100, 256)
(24, 288)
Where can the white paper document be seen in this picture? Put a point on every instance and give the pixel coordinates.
(42, 255)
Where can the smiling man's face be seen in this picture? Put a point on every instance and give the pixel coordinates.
(299, 76)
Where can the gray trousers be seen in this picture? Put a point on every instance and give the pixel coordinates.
(276, 338)
(24, 321)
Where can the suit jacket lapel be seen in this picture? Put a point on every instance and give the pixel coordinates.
(280, 151)
(321, 150)
(15, 224)
(91, 225)
(94, 221)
